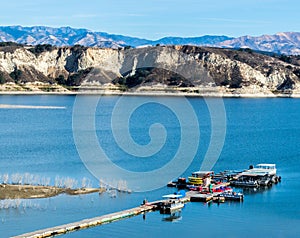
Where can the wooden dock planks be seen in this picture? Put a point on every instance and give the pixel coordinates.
(48, 232)
(101, 220)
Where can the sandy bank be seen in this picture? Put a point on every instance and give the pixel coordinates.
(8, 191)
(7, 106)
(156, 93)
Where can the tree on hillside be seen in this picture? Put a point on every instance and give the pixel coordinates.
(61, 80)
(16, 75)
(38, 49)
(2, 79)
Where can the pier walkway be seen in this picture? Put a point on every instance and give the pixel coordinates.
(101, 220)
(96, 221)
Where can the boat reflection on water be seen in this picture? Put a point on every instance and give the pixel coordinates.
(253, 191)
(174, 217)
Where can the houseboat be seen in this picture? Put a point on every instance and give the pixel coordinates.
(171, 205)
(268, 169)
(260, 175)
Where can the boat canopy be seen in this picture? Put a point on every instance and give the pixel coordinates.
(254, 173)
(266, 166)
(200, 174)
(172, 196)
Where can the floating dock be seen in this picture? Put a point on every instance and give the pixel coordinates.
(200, 197)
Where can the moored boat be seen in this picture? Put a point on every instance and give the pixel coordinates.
(201, 178)
(232, 196)
(180, 183)
(172, 204)
(260, 175)
(268, 169)
(222, 189)
(218, 199)
(244, 183)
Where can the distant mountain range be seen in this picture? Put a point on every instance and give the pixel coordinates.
(280, 43)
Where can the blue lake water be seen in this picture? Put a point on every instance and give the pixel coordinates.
(40, 142)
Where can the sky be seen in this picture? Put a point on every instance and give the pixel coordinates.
(154, 19)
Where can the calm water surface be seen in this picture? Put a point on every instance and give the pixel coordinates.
(40, 142)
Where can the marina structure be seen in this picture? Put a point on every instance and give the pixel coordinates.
(217, 190)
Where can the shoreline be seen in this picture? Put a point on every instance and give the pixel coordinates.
(153, 93)
(10, 191)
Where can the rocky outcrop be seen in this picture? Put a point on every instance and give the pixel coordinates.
(189, 69)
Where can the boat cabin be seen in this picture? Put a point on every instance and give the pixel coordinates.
(172, 204)
(202, 174)
(269, 169)
(266, 166)
(201, 178)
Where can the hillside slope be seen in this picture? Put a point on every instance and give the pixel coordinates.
(179, 68)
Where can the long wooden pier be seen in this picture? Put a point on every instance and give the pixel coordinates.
(96, 221)
(83, 224)
(101, 220)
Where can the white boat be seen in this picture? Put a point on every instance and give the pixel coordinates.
(261, 174)
(173, 196)
(172, 204)
(263, 169)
